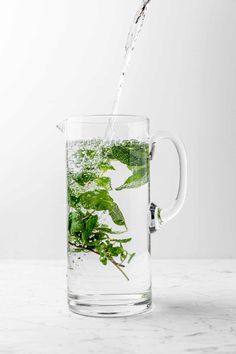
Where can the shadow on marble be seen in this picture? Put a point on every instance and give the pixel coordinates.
(192, 308)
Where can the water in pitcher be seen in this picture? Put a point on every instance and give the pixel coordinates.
(108, 251)
(129, 48)
(108, 248)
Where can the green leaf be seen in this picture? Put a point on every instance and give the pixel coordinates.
(90, 225)
(116, 215)
(115, 251)
(75, 223)
(130, 153)
(99, 236)
(131, 257)
(104, 182)
(108, 230)
(85, 232)
(105, 166)
(97, 200)
(123, 255)
(72, 199)
(72, 238)
(103, 260)
(124, 240)
(139, 177)
(78, 250)
(84, 177)
(100, 200)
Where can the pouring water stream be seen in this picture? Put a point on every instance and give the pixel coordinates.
(129, 48)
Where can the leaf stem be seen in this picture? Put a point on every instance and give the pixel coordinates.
(117, 265)
(120, 269)
(88, 215)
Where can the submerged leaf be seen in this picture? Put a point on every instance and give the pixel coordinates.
(130, 153)
(90, 225)
(124, 240)
(100, 200)
(116, 215)
(139, 177)
(73, 200)
(108, 230)
(104, 182)
(84, 177)
(115, 251)
(105, 166)
(75, 223)
(88, 194)
(131, 257)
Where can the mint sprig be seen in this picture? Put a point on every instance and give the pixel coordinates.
(88, 195)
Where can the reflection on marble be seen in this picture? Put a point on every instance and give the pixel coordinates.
(194, 312)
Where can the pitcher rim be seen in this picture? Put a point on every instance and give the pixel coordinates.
(127, 118)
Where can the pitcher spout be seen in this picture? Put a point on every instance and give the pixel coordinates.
(61, 126)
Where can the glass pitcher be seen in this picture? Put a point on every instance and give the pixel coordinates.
(110, 216)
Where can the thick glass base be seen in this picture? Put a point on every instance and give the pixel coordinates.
(111, 305)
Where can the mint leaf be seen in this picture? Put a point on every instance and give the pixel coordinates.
(108, 230)
(86, 233)
(130, 153)
(116, 215)
(100, 200)
(75, 223)
(116, 251)
(130, 257)
(122, 240)
(105, 166)
(103, 260)
(104, 182)
(90, 225)
(139, 177)
(84, 177)
(73, 200)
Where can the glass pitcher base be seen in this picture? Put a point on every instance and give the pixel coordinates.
(111, 305)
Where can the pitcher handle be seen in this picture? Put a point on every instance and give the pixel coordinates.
(161, 216)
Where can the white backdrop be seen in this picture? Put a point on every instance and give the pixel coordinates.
(63, 57)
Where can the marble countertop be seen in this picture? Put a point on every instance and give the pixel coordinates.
(194, 312)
